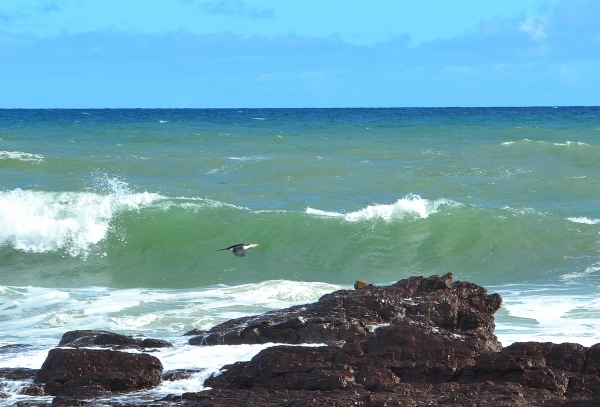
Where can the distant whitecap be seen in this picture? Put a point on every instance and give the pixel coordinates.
(583, 219)
(410, 206)
(21, 156)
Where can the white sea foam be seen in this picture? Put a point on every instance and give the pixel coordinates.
(523, 211)
(38, 317)
(196, 204)
(253, 158)
(583, 219)
(18, 155)
(411, 206)
(38, 221)
(568, 143)
(548, 316)
(576, 276)
(46, 313)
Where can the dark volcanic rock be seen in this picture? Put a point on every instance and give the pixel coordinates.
(436, 347)
(68, 372)
(419, 342)
(194, 332)
(345, 315)
(179, 374)
(68, 402)
(92, 338)
(21, 374)
(406, 352)
(13, 348)
(17, 373)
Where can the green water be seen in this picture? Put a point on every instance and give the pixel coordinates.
(145, 198)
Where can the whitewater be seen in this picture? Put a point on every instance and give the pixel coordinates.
(112, 219)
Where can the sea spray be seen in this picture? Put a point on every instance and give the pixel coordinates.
(410, 206)
(112, 218)
(38, 222)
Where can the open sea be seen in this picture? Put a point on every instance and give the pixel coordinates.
(112, 219)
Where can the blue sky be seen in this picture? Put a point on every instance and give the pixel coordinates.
(298, 53)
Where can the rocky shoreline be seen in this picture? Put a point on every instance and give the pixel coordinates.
(418, 342)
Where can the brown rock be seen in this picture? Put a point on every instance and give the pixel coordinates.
(347, 315)
(107, 339)
(194, 332)
(17, 373)
(89, 371)
(421, 341)
(179, 374)
(438, 348)
(362, 284)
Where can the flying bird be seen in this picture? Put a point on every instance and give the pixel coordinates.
(240, 249)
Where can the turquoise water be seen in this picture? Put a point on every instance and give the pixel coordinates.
(113, 218)
(144, 198)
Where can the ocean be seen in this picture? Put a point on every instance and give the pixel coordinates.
(113, 219)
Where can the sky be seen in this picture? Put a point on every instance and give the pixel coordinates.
(298, 53)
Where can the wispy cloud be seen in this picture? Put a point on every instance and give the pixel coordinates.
(535, 27)
(552, 58)
(235, 8)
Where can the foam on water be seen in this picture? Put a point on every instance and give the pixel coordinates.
(547, 143)
(38, 317)
(568, 143)
(529, 178)
(207, 360)
(576, 276)
(411, 206)
(39, 222)
(547, 315)
(199, 203)
(18, 155)
(584, 220)
(254, 158)
(44, 314)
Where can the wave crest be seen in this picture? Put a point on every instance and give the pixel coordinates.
(584, 220)
(38, 222)
(410, 206)
(21, 156)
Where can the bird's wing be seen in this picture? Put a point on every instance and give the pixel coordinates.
(232, 247)
(239, 251)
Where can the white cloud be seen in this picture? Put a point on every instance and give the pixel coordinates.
(535, 27)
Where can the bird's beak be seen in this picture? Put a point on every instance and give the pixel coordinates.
(257, 245)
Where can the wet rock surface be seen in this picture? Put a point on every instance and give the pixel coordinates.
(107, 339)
(179, 374)
(434, 346)
(349, 314)
(419, 342)
(17, 373)
(68, 372)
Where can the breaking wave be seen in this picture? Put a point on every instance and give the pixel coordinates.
(411, 206)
